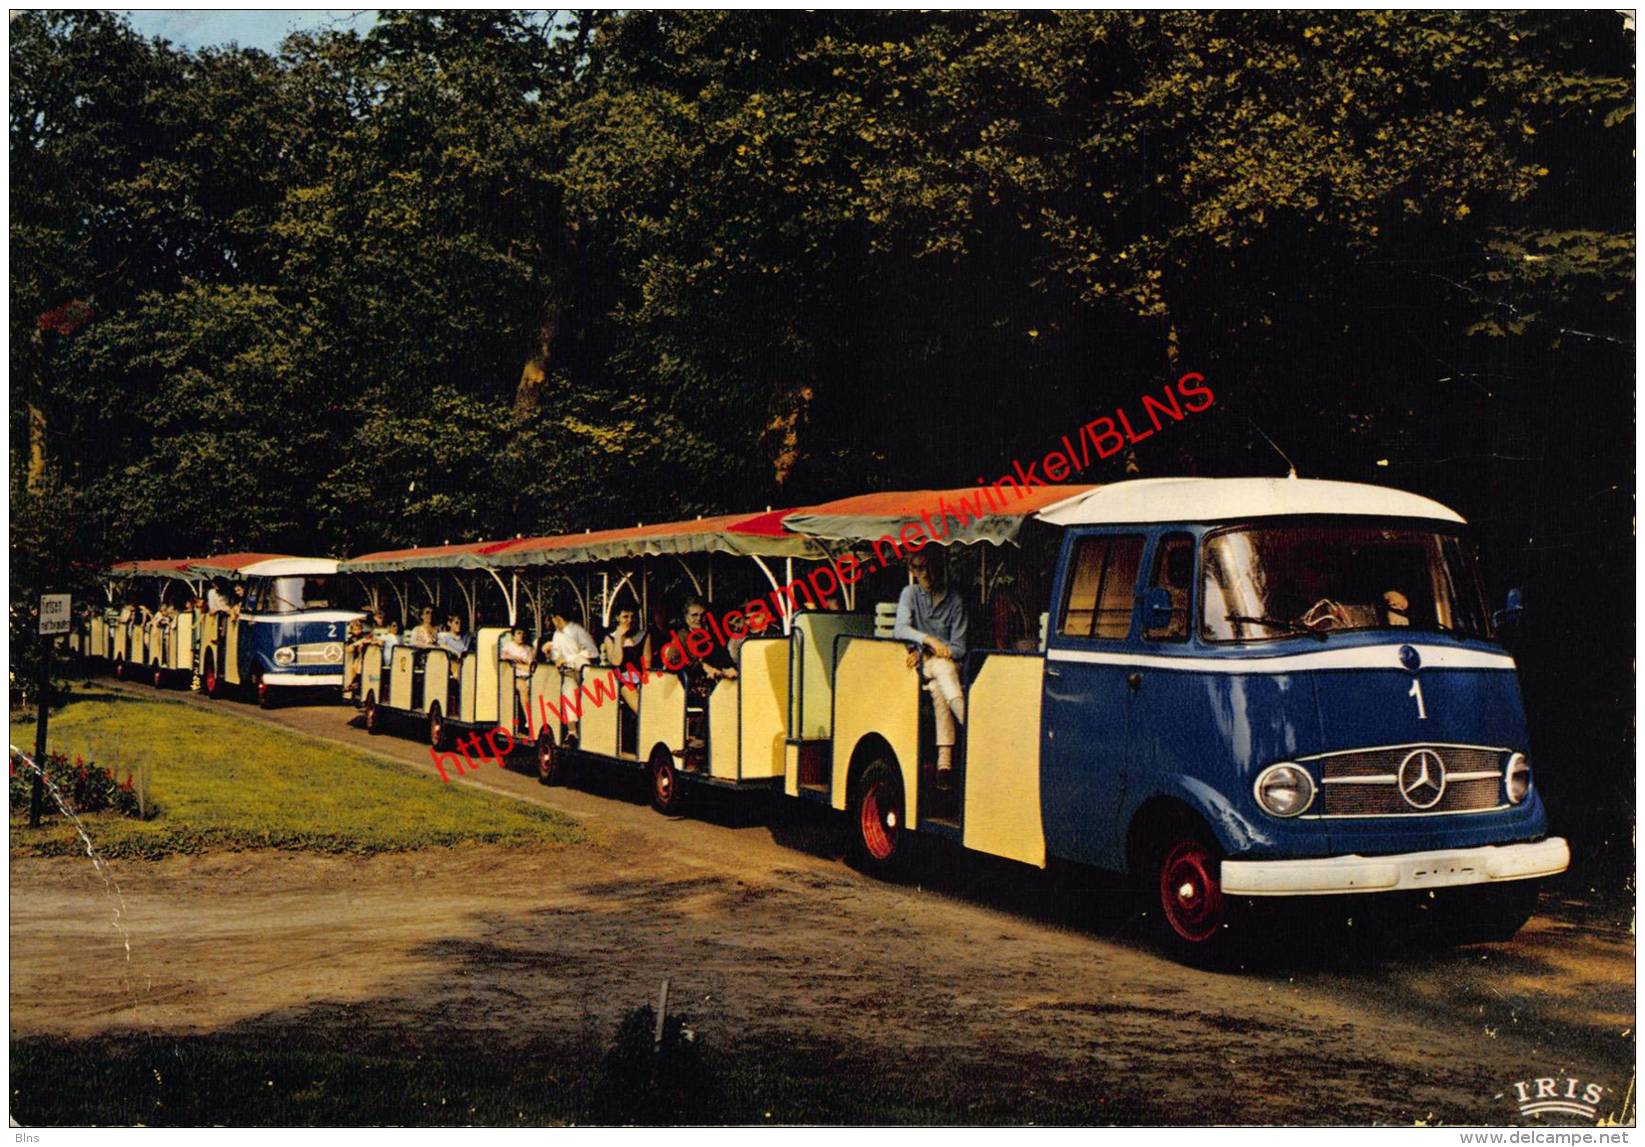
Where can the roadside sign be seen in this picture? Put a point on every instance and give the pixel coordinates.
(54, 613)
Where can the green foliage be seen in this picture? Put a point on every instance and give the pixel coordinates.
(221, 783)
(482, 273)
(83, 786)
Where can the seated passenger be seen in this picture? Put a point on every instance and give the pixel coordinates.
(627, 647)
(452, 639)
(517, 651)
(718, 665)
(355, 641)
(426, 633)
(700, 676)
(756, 626)
(390, 638)
(379, 622)
(572, 648)
(1396, 608)
(931, 618)
(216, 600)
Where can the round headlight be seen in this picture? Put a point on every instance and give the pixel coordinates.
(1285, 790)
(1516, 778)
(285, 655)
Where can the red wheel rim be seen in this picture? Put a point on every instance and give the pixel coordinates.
(1190, 893)
(879, 821)
(211, 682)
(663, 777)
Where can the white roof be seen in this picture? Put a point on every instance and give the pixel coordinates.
(291, 567)
(1222, 499)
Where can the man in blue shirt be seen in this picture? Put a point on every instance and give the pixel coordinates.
(931, 618)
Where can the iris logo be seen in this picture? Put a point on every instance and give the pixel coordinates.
(1567, 1096)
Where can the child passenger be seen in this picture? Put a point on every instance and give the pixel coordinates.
(517, 649)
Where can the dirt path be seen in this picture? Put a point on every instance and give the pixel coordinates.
(988, 992)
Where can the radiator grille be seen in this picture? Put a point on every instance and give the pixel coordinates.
(320, 653)
(1365, 782)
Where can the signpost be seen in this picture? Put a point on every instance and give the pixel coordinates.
(54, 619)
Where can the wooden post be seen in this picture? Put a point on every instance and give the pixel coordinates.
(662, 1017)
(37, 797)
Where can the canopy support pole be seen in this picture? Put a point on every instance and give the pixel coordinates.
(582, 599)
(507, 597)
(468, 597)
(401, 595)
(850, 591)
(695, 584)
(611, 595)
(785, 601)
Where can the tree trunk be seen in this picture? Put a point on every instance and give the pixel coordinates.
(528, 395)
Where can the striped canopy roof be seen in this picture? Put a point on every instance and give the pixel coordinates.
(750, 535)
(969, 514)
(156, 567)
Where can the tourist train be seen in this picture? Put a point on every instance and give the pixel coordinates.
(1228, 689)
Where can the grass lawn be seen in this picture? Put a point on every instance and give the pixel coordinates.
(221, 781)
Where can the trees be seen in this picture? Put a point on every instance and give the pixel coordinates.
(747, 251)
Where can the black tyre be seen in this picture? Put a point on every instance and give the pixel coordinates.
(119, 668)
(879, 833)
(374, 715)
(157, 677)
(1489, 914)
(210, 683)
(265, 695)
(549, 757)
(668, 794)
(437, 727)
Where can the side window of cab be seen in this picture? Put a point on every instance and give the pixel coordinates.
(1102, 587)
(1173, 572)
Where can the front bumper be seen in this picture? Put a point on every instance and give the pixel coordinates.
(305, 679)
(1408, 871)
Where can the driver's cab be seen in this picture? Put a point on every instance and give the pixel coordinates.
(1325, 629)
(298, 626)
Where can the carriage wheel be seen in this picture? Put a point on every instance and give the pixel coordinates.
(667, 793)
(212, 685)
(436, 726)
(879, 838)
(374, 718)
(548, 757)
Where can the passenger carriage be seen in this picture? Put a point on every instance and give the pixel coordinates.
(140, 646)
(744, 720)
(1246, 688)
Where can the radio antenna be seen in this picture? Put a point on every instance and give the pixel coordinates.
(1290, 465)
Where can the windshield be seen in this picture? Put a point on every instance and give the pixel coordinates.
(1280, 581)
(293, 594)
